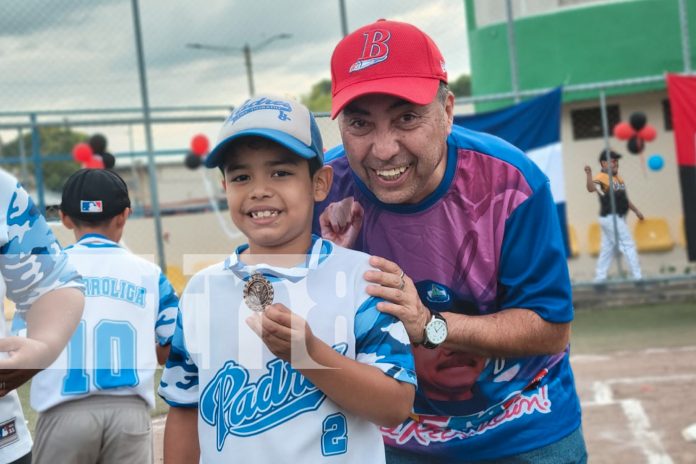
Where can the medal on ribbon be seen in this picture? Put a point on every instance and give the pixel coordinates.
(258, 293)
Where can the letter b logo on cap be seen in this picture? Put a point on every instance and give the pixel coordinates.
(375, 50)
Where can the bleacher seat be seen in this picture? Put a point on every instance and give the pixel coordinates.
(652, 234)
(573, 241)
(176, 278)
(594, 238)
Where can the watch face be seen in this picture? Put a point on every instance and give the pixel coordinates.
(436, 331)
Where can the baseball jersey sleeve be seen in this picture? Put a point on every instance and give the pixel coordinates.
(381, 341)
(533, 270)
(31, 261)
(179, 383)
(166, 314)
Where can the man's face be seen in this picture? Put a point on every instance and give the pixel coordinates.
(397, 148)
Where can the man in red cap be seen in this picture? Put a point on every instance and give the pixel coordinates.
(467, 249)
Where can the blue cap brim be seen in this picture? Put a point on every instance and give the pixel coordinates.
(216, 156)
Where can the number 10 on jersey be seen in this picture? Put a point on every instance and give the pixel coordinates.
(114, 358)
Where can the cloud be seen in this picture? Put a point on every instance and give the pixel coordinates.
(80, 54)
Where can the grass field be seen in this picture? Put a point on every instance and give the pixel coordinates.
(594, 331)
(633, 328)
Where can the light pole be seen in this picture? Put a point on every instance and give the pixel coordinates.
(246, 51)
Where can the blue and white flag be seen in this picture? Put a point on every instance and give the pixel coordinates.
(534, 126)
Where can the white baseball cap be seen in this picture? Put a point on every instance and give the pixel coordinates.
(282, 120)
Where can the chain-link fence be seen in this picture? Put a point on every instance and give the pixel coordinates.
(69, 69)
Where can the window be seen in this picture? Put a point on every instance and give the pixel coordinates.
(587, 122)
(667, 114)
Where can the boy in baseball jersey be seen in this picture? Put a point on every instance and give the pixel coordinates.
(279, 354)
(94, 400)
(609, 160)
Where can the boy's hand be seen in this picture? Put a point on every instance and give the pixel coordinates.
(588, 170)
(286, 334)
(640, 215)
(25, 358)
(341, 221)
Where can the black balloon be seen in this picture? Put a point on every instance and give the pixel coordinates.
(192, 161)
(638, 121)
(98, 143)
(635, 145)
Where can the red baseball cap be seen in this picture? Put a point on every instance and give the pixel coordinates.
(387, 57)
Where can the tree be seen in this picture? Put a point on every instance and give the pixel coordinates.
(319, 98)
(461, 87)
(53, 141)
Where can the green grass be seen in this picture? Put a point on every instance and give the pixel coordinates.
(633, 328)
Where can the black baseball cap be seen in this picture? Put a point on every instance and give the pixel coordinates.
(612, 154)
(93, 195)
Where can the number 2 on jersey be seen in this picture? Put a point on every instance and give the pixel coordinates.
(334, 440)
(114, 358)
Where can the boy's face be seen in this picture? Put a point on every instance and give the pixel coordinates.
(271, 196)
(614, 163)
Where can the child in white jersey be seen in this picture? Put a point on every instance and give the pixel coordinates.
(279, 354)
(94, 400)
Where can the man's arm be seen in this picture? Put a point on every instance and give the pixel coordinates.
(633, 208)
(534, 306)
(507, 333)
(181, 436)
(356, 387)
(589, 183)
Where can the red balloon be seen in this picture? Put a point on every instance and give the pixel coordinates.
(647, 133)
(199, 145)
(623, 131)
(94, 163)
(82, 152)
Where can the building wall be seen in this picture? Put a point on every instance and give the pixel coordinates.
(562, 42)
(593, 42)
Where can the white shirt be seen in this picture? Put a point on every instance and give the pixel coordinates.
(255, 407)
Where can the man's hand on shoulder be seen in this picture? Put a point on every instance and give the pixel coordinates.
(400, 294)
(341, 222)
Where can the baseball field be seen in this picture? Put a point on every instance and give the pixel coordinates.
(635, 370)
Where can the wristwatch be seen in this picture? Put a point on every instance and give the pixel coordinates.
(435, 331)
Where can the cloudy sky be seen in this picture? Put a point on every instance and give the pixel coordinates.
(80, 54)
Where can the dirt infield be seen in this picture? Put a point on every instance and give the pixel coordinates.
(635, 405)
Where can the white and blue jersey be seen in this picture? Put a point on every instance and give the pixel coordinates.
(129, 304)
(255, 406)
(31, 264)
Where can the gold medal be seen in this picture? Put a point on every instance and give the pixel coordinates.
(258, 293)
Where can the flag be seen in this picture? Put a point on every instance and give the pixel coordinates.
(533, 126)
(682, 102)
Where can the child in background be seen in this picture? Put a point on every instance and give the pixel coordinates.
(94, 400)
